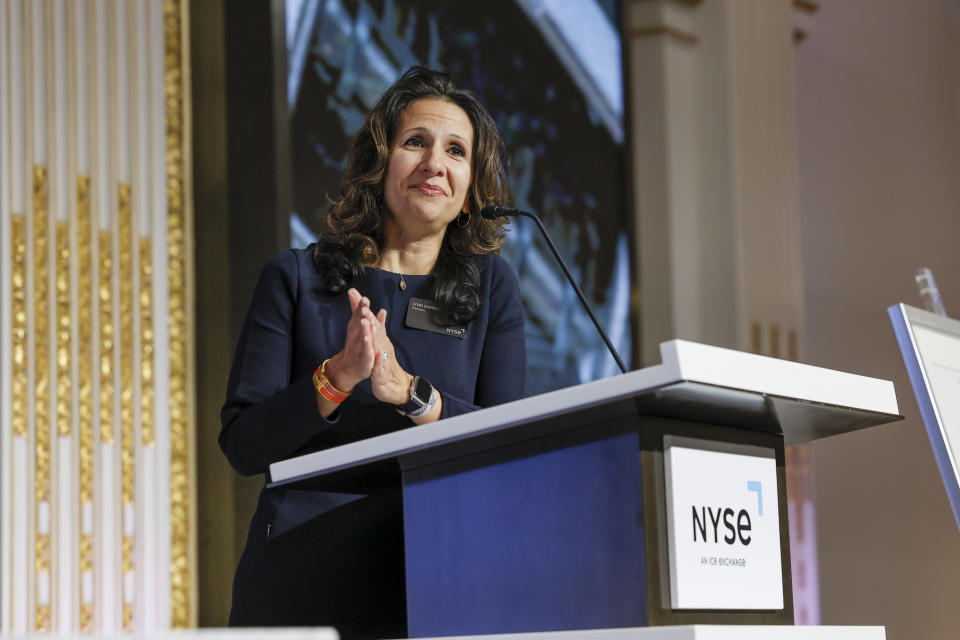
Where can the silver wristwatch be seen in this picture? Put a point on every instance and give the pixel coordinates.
(422, 398)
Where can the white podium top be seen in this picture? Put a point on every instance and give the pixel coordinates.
(737, 370)
(694, 381)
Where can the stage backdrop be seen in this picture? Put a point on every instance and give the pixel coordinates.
(95, 318)
(551, 74)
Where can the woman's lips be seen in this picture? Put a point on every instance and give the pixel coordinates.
(428, 189)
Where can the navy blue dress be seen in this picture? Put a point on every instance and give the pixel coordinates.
(320, 558)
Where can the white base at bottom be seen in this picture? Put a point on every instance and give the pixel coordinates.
(689, 632)
(697, 632)
(207, 633)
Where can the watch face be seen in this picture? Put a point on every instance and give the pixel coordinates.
(422, 391)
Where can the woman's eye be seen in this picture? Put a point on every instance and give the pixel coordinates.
(415, 141)
(457, 150)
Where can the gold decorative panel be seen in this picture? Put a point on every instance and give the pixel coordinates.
(64, 330)
(20, 398)
(87, 619)
(88, 327)
(125, 258)
(43, 620)
(181, 580)
(147, 436)
(85, 369)
(41, 389)
(127, 448)
(85, 339)
(105, 288)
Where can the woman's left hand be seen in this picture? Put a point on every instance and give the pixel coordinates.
(390, 383)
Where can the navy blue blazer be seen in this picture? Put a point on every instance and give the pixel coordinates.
(316, 558)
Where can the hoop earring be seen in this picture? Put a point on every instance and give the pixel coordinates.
(461, 222)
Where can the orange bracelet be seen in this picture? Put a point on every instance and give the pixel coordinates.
(322, 384)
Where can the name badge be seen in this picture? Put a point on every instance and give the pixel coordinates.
(420, 315)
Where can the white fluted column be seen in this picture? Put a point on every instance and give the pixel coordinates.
(96, 432)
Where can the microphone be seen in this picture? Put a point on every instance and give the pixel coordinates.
(492, 212)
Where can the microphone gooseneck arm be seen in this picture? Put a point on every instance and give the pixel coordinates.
(492, 212)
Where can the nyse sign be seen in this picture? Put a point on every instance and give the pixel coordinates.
(723, 526)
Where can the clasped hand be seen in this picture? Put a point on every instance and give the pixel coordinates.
(368, 353)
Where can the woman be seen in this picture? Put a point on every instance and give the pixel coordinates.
(317, 367)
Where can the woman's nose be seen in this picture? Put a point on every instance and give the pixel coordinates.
(432, 160)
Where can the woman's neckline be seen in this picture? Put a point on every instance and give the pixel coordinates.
(397, 274)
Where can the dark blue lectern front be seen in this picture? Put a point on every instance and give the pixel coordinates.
(551, 513)
(537, 540)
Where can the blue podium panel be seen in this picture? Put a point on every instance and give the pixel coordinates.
(543, 536)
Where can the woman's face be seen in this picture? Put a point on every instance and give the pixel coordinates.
(428, 176)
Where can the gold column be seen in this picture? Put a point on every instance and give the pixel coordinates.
(181, 580)
(64, 329)
(127, 449)
(85, 424)
(41, 345)
(106, 336)
(20, 398)
(147, 436)
(20, 381)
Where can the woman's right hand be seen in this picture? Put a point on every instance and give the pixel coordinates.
(355, 362)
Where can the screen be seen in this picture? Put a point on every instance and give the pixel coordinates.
(550, 73)
(930, 345)
(940, 353)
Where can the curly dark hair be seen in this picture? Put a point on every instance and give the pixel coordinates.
(355, 228)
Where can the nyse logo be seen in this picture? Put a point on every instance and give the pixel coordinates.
(736, 524)
(723, 541)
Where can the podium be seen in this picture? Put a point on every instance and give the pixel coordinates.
(657, 497)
